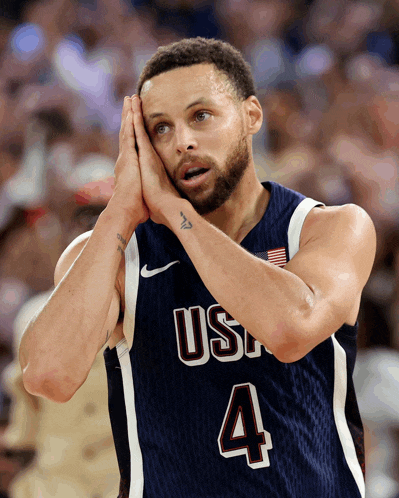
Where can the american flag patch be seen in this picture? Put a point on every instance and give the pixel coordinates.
(276, 256)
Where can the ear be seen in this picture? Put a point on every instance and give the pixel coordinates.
(253, 114)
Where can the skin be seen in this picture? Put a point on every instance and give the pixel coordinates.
(289, 310)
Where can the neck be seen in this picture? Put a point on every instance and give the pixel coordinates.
(244, 209)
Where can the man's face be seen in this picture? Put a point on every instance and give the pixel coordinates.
(196, 126)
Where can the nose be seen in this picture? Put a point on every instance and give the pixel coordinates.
(185, 140)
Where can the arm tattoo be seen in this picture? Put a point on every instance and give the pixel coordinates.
(185, 224)
(119, 237)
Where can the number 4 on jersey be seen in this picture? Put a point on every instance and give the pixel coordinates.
(242, 431)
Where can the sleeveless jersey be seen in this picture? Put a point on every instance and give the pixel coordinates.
(200, 409)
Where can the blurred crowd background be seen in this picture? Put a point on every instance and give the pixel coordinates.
(328, 80)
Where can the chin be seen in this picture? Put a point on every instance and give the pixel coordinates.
(209, 204)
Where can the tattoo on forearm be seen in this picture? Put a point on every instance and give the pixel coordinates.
(119, 237)
(185, 224)
(120, 248)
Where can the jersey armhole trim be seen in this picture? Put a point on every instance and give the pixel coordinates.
(296, 223)
(132, 275)
(339, 400)
(136, 461)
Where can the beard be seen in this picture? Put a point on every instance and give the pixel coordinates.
(226, 181)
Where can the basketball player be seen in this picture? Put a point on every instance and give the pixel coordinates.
(229, 306)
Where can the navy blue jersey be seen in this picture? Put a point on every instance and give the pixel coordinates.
(199, 408)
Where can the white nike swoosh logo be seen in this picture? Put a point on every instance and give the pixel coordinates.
(150, 273)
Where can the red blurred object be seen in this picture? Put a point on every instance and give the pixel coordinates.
(33, 215)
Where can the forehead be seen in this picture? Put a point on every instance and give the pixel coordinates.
(179, 87)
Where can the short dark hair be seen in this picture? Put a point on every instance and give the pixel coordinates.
(190, 51)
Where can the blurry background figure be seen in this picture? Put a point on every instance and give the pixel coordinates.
(328, 80)
(69, 449)
(376, 381)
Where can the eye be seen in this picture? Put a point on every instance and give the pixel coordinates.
(161, 129)
(202, 115)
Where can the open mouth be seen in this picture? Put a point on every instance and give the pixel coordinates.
(195, 175)
(194, 172)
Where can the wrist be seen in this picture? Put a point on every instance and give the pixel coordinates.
(126, 220)
(178, 213)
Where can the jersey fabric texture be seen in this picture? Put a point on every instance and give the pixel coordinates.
(199, 409)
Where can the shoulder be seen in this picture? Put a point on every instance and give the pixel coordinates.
(347, 221)
(339, 237)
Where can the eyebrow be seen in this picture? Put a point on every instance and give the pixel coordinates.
(201, 100)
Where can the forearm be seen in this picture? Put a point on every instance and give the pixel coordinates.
(61, 342)
(271, 303)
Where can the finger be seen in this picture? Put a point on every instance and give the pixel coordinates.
(128, 141)
(126, 106)
(128, 127)
(142, 138)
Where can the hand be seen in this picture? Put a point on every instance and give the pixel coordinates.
(128, 190)
(158, 190)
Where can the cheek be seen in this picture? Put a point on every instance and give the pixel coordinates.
(230, 128)
(225, 137)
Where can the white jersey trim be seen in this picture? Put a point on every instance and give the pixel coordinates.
(296, 223)
(132, 269)
(339, 400)
(132, 275)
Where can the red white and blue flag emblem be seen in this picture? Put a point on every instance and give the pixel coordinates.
(276, 256)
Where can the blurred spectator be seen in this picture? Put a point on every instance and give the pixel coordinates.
(343, 25)
(187, 18)
(377, 385)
